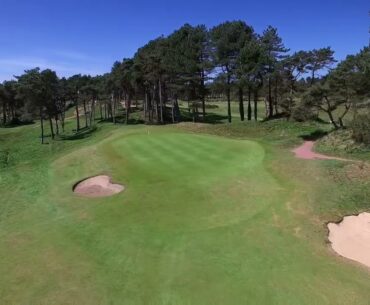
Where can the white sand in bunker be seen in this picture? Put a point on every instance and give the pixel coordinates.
(98, 186)
(351, 238)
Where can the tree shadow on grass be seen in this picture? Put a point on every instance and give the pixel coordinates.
(16, 123)
(101, 121)
(79, 135)
(315, 135)
(210, 118)
(136, 121)
(213, 118)
(122, 120)
(278, 116)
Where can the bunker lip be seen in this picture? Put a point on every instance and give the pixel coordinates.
(350, 237)
(97, 186)
(305, 151)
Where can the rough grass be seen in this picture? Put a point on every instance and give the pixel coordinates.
(342, 142)
(204, 219)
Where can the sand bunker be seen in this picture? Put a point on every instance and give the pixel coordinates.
(305, 151)
(99, 186)
(351, 238)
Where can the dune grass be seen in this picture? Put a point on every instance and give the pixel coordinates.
(204, 219)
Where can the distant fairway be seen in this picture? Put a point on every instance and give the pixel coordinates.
(202, 220)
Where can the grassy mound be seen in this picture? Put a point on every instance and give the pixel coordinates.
(342, 142)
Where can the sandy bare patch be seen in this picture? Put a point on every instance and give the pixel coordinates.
(358, 172)
(351, 238)
(98, 186)
(305, 151)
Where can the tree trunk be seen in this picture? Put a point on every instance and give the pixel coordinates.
(101, 110)
(85, 113)
(255, 98)
(270, 104)
(4, 112)
(312, 77)
(51, 128)
(346, 109)
(150, 107)
(160, 99)
(177, 110)
(276, 96)
(241, 104)
(228, 98)
(155, 99)
(193, 112)
(13, 111)
(203, 108)
(113, 109)
(56, 124)
(42, 126)
(249, 105)
(128, 106)
(145, 105)
(63, 117)
(329, 112)
(332, 119)
(77, 115)
(196, 111)
(203, 91)
(173, 111)
(92, 112)
(266, 107)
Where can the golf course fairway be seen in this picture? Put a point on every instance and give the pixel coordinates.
(203, 219)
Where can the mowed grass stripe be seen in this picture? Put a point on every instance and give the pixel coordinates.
(225, 150)
(207, 150)
(155, 149)
(171, 151)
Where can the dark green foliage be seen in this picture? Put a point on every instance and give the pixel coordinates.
(11, 105)
(361, 128)
(250, 73)
(274, 49)
(345, 87)
(227, 40)
(302, 113)
(319, 59)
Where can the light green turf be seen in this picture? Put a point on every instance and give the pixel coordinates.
(203, 220)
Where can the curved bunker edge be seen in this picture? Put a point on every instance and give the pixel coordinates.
(97, 186)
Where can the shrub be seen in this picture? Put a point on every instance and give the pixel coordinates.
(302, 113)
(361, 128)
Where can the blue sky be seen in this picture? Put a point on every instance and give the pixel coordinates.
(80, 36)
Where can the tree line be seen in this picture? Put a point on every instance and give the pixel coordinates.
(193, 64)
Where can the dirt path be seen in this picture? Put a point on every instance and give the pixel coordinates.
(305, 151)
